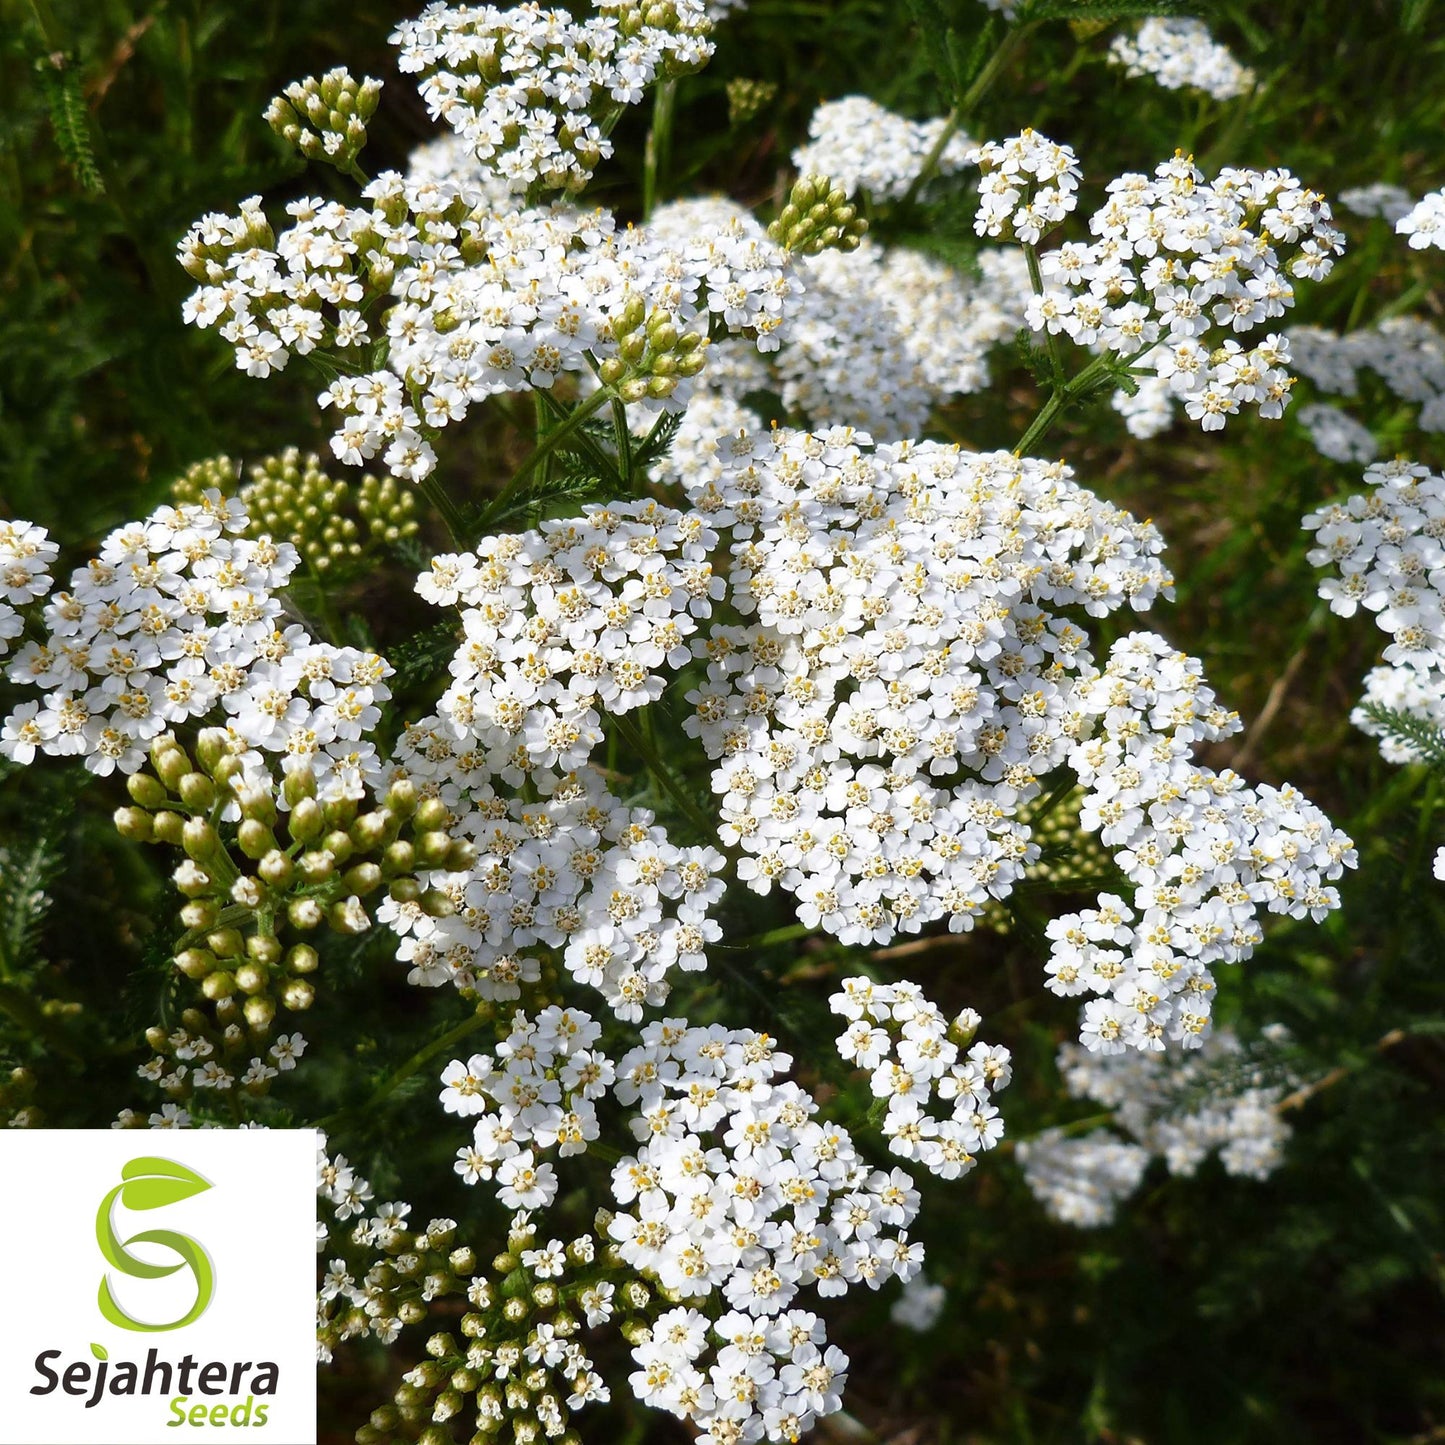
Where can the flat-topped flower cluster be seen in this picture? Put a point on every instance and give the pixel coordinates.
(1387, 547)
(177, 618)
(1180, 1107)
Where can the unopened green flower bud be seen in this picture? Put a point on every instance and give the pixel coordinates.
(316, 866)
(299, 783)
(306, 822)
(200, 913)
(432, 849)
(368, 831)
(199, 839)
(196, 790)
(302, 958)
(134, 824)
(259, 1012)
(305, 913)
(298, 995)
(213, 746)
(218, 985)
(195, 963)
(169, 760)
(146, 790)
(401, 798)
(255, 839)
(251, 978)
(276, 869)
(166, 827)
(436, 904)
(225, 943)
(364, 878)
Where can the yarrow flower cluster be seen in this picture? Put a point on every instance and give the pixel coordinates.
(1336, 434)
(908, 677)
(1028, 186)
(532, 90)
(1180, 267)
(1387, 546)
(739, 1191)
(26, 553)
(881, 337)
(178, 617)
(1205, 852)
(736, 1192)
(1381, 199)
(1406, 353)
(1181, 54)
(486, 302)
(864, 147)
(913, 1053)
(1424, 223)
(1177, 1106)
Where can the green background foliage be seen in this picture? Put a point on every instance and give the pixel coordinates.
(1305, 1308)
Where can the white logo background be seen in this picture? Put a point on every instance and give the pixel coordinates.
(258, 1225)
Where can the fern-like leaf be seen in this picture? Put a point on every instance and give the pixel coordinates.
(26, 874)
(1406, 730)
(70, 122)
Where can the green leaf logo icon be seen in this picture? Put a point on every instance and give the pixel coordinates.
(151, 1183)
(99, 1352)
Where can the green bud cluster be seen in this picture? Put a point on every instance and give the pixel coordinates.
(415, 1267)
(325, 118)
(479, 1378)
(1067, 853)
(211, 262)
(748, 98)
(262, 868)
(17, 1107)
(817, 217)
(652, 355)
(335, 525)
(635, 16)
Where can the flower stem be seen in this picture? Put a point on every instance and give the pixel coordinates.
(663, 774)
(964, 107)
(545, 448)
(433, 490)
(659, 145)
(443, 1043)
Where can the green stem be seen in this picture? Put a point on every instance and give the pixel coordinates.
(433, 490)
(624, 444)
(1064, 396)
(965, 106)
(1051, 340)
(663, 774)
(1041, 424)
(659, 145)
(784, 934)
(424, 1055)
(545, 448)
